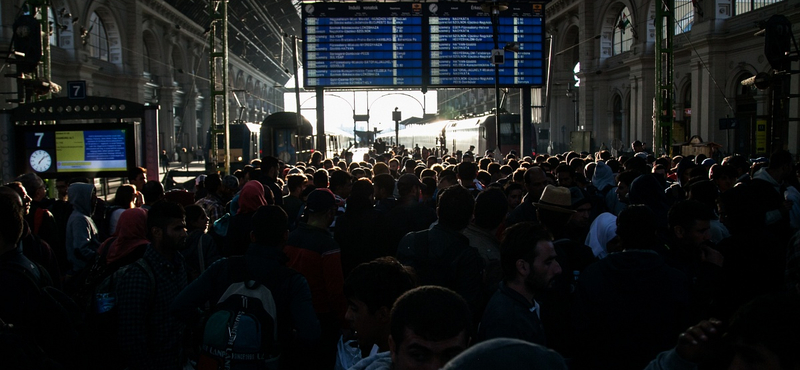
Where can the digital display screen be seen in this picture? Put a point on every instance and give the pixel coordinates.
(91, 150)
(421, 44)
(362, 44)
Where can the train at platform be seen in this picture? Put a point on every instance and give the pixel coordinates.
(457, 135)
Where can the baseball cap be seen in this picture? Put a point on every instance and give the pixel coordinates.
(321, 199)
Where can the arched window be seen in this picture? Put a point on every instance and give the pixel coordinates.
(145, 58)
(623, 32)
(684, 16)
(98, 38)
(54, 27)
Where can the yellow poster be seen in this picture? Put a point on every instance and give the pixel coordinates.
(761, 136)
(70, 146)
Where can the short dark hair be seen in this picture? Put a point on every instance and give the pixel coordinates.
(384, 182)
(339, 179)
(268, 162)
(193, 212)
(447, 175)
(432, 312)
(124, 195)
(467, 171)
(379, 283)
(270, 222)
(31, 182)
(153, 191)
(135, 172)
(491, 207)
(10, 215)
(519, 242)
(321, 178)
(212, 183)
(780, 159)
(454, 207)
(295, 181)
(162, 213)
(627, 177)
(687, 212)
(637, 226)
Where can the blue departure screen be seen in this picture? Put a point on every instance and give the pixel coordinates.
(439, 44)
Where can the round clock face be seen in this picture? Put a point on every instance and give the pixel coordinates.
(41, 161)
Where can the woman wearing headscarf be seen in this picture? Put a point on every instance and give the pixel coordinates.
(601, 233)
(127, 244)
(251, 198)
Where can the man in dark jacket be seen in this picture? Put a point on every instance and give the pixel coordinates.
(535, 181)
(630, 305)
(442, 255)
(529, 264)
(263, 256)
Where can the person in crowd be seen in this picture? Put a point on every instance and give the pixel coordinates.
(761, 335)
(40, 219)
(442, 255)
(631, 299)
(429, 326)
(236, 240)
(298, 327)
(602, 236)
(565, 175)
(360, 232)
(707, 193)
(34, 247)
(129, 241)
(213, 203)
(138, 177)
(409, 215)
(488, 215)
(467, 172)
(383, 185)
(535, 181)
(623, 187)
(742, 166)
(149, 336)
(82, 237)
(314, 253)
(270, 168)
(292, 203)
(201, 249)
(125, 198)
(164, 161)
(768, 188)
(514, 192)
(529, 266)
(153, 192)
(604, 181)
(371, 290)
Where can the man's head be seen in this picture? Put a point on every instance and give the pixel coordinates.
(270, 166)
(371, 290)
(137, 176)
(431, 160)
(11, 223)
(383, 185)
(454, 207)
(153, 192)
(781, 165)
(636, 227)
(196, 218)
(229, 187)
(212, 183)
(554, 207)
(20, 190)
(624, 181)
(429, 326)
(321, 206)
(723, 176)
(270, 226)
(341, 183)
(565, 175)
(467, 172)
(637, 146)
(535, 181)
(166, 226)
(689, 222)
(34, 186)
(296, 182)
(527, 257)
(409, 186)
(491, 207)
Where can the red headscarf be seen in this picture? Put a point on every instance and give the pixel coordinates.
(251, 198)
(131, 233)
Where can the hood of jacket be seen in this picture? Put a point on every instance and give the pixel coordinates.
(603, 176)
(80, 196)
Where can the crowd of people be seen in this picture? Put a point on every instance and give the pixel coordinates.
(575, 260)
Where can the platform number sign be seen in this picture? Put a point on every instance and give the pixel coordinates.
(76, 89)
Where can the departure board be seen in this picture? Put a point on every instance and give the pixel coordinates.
(461, 43)
(440, 44)
(362, 44)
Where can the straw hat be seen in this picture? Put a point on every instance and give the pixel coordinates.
(555, 198)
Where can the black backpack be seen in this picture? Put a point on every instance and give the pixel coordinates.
(241, 330)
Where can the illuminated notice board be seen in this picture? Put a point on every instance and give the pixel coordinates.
(420, 45)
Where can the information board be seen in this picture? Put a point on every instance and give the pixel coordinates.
(76, 149)
(362, 44)
(420, 44)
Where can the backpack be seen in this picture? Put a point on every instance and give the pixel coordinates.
(102, 317)
(241, 330)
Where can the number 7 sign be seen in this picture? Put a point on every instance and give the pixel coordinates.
(76, 89)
